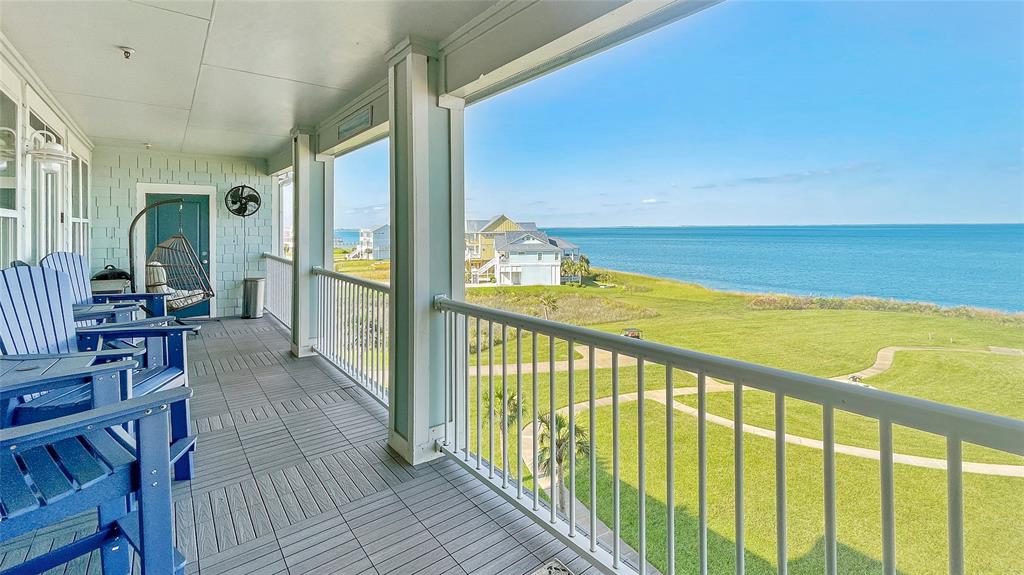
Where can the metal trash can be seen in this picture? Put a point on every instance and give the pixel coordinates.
(253, 292)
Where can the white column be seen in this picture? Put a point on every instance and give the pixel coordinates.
(308, 229)
(425, 197)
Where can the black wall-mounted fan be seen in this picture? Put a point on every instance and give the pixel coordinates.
(242, 201)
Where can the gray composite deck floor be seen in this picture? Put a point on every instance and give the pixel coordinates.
(293, 475)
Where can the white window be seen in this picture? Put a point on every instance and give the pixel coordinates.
(287, 240)
(49, 198)
(9, 164)
(80, 206)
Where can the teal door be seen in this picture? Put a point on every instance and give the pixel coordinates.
(194, 221)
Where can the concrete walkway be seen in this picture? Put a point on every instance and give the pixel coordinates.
(884, 359)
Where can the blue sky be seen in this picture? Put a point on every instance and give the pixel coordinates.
(757, 113)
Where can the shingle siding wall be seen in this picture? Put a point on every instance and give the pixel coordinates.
(116, 172)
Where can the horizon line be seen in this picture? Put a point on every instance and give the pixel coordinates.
(762, 225)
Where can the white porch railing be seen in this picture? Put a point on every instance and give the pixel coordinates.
(279, 288)
(352, 328)
(475, 423)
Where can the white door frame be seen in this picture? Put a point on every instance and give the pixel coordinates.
(141, 189)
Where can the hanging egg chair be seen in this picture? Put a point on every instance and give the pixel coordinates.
(173, 267)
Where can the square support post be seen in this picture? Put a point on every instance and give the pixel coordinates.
(308, 227)
(427, 244)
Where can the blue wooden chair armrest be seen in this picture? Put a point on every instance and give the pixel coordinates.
(115, 331)
(104, 355)
(150, 321)
(87, 312)
(156, 302)
(43, 432)
(16, 387)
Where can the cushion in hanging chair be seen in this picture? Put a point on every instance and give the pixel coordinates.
(156, 282)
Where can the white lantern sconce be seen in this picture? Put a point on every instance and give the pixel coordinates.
(50, 155)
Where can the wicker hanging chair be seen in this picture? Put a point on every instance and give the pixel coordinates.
(173, 268)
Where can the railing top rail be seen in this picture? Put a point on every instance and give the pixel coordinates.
(270, 256)
(376, 286)
(993, 431)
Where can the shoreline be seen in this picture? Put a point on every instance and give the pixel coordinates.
(938, 308)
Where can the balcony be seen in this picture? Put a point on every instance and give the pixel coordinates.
(396, 428)
(293, 474)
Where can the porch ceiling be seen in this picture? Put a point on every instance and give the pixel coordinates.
(231, 77)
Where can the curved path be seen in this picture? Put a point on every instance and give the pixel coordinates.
(883, 361)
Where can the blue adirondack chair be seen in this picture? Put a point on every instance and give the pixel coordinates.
(77, 268)
(55, 469)
(36, 318)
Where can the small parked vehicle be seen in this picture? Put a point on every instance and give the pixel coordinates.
(633, 333)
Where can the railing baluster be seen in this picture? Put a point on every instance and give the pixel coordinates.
(641, 467)
(738, 473)
(504, 406)
(535, 422)
(572, 438)
(780, 484)
(465, 422)
(829, 457)
(592, 406)
(702, 473)
(670, 458)
(447, 346)
(616, 489)
(490, 399)
(455, 380)
(519, 413)
(955, 504)
(888, 498)
(552, 429)
(479, 406)
(345, 320)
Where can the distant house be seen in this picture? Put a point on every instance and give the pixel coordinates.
(527, 258)
(505, 252)
(374, 244)
(570, 251)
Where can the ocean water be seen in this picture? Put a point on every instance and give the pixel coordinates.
(950, 265)
(347, 237)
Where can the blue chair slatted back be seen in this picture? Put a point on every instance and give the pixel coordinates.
(34, 316)
(77, 269)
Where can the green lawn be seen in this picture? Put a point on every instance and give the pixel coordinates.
(936, 375)
(994, 506)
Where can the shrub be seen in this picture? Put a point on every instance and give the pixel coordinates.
(864, 303)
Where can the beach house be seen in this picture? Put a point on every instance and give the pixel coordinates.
(374, 244)
(502, 251)
(526, 258)
(345, 431)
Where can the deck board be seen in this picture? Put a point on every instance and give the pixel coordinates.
(293, 475)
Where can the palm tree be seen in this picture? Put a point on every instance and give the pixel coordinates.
(510, 407)
(582, 266)
(548, 304)
(561, 452)
(569, 267)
